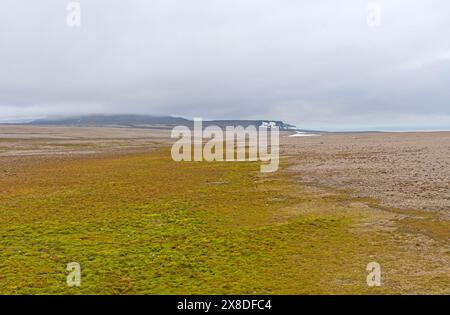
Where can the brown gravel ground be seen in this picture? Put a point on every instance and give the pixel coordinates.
(402, 170)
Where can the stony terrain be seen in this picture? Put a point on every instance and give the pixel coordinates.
(403, 170)
(16, 140)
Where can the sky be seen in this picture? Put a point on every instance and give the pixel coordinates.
(329, 65)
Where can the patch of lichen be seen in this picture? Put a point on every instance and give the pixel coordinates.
(141, 223)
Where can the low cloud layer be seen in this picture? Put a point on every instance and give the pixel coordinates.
(317, 64)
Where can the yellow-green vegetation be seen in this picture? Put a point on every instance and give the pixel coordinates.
(141, 223)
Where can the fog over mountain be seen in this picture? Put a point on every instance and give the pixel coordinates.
(149, 121)
(314, 64)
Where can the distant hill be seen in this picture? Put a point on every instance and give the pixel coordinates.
(102, 120)
(147, 121)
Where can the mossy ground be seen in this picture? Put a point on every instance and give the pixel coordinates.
(141, 223)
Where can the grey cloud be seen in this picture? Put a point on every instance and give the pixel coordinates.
(316, 64)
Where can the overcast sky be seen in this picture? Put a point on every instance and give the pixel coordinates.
(316, 64)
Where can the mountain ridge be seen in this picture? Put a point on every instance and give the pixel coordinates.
(146, 121)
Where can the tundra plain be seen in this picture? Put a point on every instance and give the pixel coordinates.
(137, 222)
